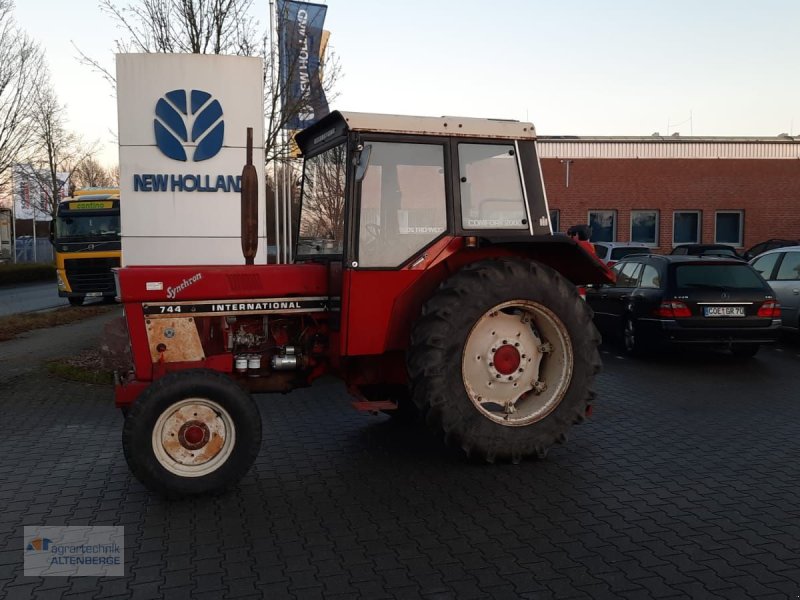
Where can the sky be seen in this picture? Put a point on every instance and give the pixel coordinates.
(710, 68)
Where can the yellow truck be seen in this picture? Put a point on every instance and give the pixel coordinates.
(85, 236)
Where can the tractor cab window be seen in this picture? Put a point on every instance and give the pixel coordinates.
(403, 203)
(322, 211)
(491, 189)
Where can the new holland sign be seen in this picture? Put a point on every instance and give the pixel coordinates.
(183, 120)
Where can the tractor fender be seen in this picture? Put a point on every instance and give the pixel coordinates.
(563, 254)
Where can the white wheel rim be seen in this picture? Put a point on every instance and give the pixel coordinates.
(193, 437)
(515, 393)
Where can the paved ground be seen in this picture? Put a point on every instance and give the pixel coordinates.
(684, 484)
(26, 354)
(29, 297)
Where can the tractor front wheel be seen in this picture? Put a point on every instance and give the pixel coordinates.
(503, 359)
(191, 432)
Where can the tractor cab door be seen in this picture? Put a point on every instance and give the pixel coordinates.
(399, 220)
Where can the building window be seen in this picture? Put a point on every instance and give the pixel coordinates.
(644, 227)
(685, 227)
(728, 227)
(604, 225)
(555, 220)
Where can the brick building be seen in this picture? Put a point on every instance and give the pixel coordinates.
(669, 190)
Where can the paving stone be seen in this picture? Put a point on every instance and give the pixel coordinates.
(682, 484)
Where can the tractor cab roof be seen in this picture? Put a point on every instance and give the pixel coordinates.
(337, 124)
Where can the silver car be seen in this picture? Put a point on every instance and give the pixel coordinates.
(611, 252)
(781, 268)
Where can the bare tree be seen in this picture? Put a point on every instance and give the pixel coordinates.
(113, 175)
(90, 173)
(22, 73)
(214, 27)
(188, 26)
(58, 150)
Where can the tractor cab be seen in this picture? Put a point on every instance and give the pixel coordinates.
(394, 203)
(381, 190)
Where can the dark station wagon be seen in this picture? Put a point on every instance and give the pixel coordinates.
(667, 300)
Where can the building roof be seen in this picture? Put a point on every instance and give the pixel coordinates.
(656, 146)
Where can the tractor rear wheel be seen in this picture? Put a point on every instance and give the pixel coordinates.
(191, 432)
(503, 359)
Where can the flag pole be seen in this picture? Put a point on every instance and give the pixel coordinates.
(275, 119)
(14, 217)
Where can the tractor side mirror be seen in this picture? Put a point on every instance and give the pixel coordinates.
(363, 163)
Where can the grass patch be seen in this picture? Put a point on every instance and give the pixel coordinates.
(24, 272)
(13, 325)
(83, 368)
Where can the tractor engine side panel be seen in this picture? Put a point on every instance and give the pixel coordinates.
(248, 322)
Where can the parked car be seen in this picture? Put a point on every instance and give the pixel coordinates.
(706, 250)
(611, 252)
(781, 269)
(771, 244)
(671, 300)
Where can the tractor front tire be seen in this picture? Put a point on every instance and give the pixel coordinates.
(503, 359)
(191, 432)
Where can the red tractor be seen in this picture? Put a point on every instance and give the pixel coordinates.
(424, 274)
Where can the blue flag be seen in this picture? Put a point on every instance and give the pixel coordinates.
(300, 27)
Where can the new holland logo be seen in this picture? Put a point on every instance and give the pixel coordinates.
(186, 122)
(182, 123)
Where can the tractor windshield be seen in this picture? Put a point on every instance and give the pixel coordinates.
(321, 227)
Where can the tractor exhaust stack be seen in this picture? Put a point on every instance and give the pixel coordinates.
(249, 204)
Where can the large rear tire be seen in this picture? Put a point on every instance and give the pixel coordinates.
(191, 432)
(503, 359)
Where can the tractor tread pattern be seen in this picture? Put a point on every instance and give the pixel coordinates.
(142, 415)
(438, 338)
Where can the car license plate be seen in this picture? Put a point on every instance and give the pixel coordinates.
(723, 311)
(93, 294)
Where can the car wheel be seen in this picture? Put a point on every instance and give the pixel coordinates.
(631, 338)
